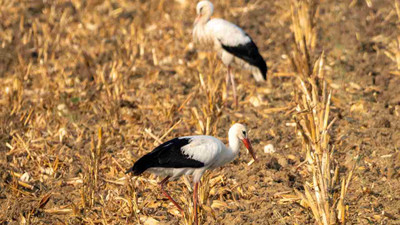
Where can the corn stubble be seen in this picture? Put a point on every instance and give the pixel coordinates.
(72, 121)
(325, 192)
(393, 47)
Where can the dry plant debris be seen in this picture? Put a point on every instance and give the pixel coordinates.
(89, 86)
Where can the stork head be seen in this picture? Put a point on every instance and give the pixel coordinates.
(204, 10)
(239, 131)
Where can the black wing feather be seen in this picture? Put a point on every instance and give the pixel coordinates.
(166, 155)
(250, 54)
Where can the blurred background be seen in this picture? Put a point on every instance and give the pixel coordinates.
(88, 86)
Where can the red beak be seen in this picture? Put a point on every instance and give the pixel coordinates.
(247, 143)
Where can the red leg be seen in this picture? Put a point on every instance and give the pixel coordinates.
(196, 185)
(162, 183)
(227, 81)
(233, 87)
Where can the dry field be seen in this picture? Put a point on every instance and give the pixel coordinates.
(88, 86)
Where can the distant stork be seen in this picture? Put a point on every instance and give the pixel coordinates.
(232, 44)
(191, 155)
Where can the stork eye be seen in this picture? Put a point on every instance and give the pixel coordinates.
(201, 9)
(244, 133)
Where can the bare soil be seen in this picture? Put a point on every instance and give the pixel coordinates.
(68, 69)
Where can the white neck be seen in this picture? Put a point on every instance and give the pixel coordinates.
(234, 143)
(204, 18)
(199, 33)
(229, 153)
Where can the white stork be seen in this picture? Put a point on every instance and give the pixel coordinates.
(191, 155)
(231, 43)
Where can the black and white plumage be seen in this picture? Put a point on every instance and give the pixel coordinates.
(191, 155)
(232, 44)
(167, 155)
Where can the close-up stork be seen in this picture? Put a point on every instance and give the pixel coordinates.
(233, 45)
(191, 155)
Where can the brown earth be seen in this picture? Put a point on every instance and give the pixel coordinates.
(68, 69)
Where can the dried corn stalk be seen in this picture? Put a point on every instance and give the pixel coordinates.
(304, 14)
(321, 195)
(313, 123)
(393, 49)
